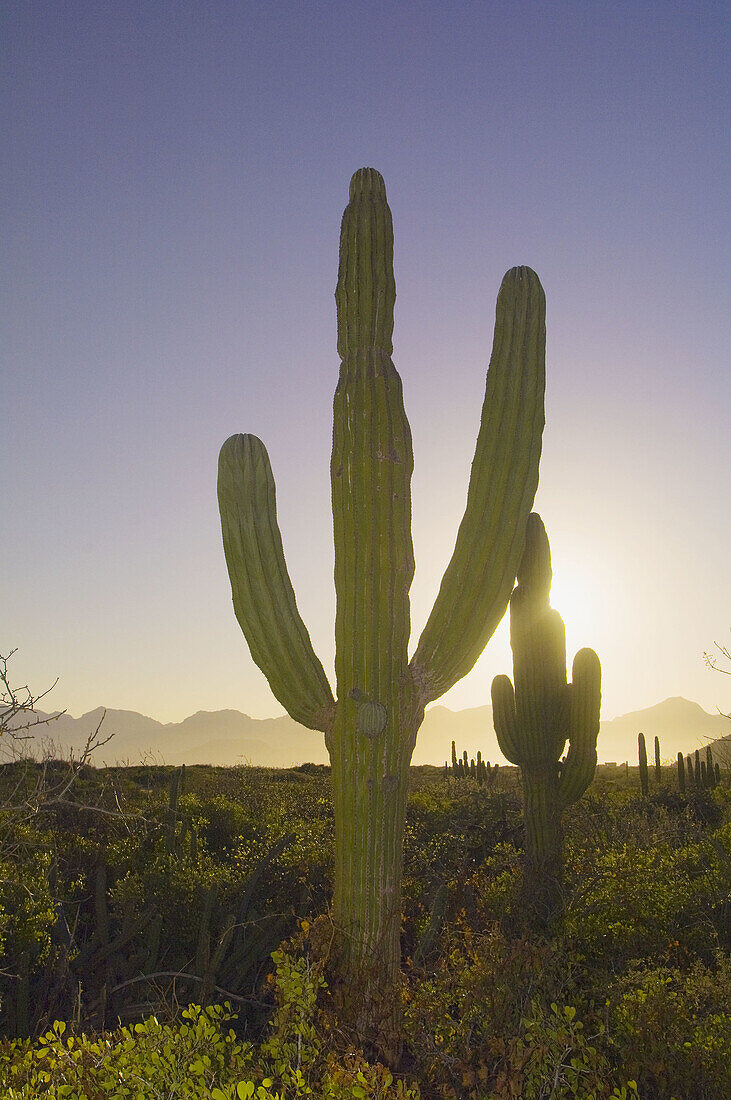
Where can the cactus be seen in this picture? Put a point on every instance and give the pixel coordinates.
(171, 822)
(371, 498)
(642, 753)
(681, 773)
(697, 773)
(454, 758)
(430, 936)
(710, 770)
(658, 764)
(534, 720)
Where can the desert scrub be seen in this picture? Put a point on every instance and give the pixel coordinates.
(147, 1061)
(199, 1057)
(631, 902)
(483, 1025)
(671, 1028)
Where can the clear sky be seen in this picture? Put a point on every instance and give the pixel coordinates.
(173, 180)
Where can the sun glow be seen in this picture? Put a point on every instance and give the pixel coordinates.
(580, 601)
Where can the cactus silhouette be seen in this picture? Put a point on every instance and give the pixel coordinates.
(642, 756)
(370, 731)
(658, 762)
(535, 719)
(681, 773)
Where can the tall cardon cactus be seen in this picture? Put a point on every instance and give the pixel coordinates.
(370, 731)
(535, 719)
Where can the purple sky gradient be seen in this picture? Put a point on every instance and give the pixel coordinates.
(172, 190)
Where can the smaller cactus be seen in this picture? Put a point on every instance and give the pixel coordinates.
(431, 933)
(681, 773)
(535, 719)
(658, 765)
(710, 769)
(176, 780)
(642, 753)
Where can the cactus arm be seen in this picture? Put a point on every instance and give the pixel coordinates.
(479, 578)
(505, 719)
(577, 770)
(262, 592)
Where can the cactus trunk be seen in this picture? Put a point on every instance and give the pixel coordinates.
(377, 713)
(543, 868)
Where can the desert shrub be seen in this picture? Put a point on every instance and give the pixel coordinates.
(148, 1060)
(27, 919)
(199, 1058)
(672, 1029)
(631, 902)
(222, 824)
(497, 1018)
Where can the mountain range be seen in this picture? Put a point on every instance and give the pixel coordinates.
(227, 737)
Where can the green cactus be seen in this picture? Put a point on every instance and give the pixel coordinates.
(535, 719)
(171, 820)
(710, 770)
(658, 763)
(371, 470)
(642, 754)
(681, 773)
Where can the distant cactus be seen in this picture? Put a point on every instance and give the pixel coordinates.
(658, 765)
(681, 773)
(534, 720)
(171, 824)
(642, 753)
(697, 771)
(710, 768)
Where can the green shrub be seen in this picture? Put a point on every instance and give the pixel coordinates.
(672, 1029)
(144, 1062)
(200, 1058)
(632, 902)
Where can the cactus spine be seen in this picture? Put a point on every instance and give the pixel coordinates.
(534, 720)
(642, 754)
(371, 498)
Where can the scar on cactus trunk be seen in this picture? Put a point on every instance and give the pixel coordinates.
(535, 719)
(371, 729)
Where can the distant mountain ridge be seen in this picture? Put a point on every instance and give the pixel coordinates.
(228, 737)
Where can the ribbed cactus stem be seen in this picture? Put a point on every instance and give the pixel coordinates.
(642, 757)
(681, 773)
(535, 718)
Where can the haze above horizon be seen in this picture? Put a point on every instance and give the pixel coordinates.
(171, 210)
